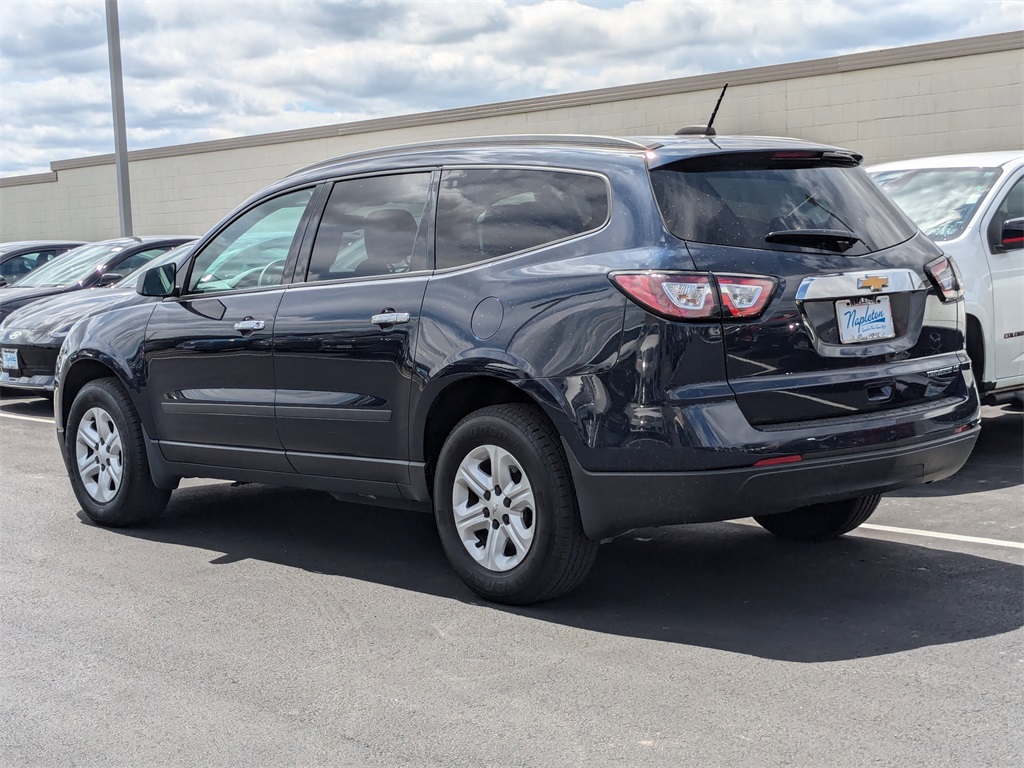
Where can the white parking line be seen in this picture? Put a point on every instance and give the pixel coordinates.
(26, 418)
(915, 532)
(951, 536)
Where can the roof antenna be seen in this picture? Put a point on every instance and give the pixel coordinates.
(704, 130)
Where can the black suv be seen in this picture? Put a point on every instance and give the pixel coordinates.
(545, 340)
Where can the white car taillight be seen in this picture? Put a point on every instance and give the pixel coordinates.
(696, 296)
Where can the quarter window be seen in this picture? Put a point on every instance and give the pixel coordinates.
(251, 251)
(486, 213)
(370, 227)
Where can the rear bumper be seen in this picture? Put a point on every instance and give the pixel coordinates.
(614, 502)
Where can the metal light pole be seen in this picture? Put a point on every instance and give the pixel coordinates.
(124, 192)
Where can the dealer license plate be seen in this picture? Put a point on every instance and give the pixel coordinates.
(10, 359)
(864, 320)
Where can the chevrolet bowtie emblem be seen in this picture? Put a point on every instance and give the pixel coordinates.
(874, 282)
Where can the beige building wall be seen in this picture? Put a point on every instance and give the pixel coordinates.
(957, 96)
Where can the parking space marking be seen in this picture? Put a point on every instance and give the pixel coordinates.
(861, 530)
(938, 535)
(40, 419)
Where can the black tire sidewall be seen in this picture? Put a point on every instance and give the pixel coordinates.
(529, 575)
(118, 510)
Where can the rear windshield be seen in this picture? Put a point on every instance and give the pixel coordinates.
(739, 199)
(942, 201)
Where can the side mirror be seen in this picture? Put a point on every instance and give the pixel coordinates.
(158, 281)
(1012, 236)
(3, 281)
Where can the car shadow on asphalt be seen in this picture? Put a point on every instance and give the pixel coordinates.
(724, 586)
(994, 463)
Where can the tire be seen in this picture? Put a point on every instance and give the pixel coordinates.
(105, 454)
(821, 521)
(512, 534)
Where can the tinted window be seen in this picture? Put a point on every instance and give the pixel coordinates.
(941, 201)
(369, 227)
(137, 260)
(251, 251)
(18, 266)
(1011, 207)
(738, 199)
(486, 213)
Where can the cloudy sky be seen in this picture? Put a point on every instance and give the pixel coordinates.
(196, 70)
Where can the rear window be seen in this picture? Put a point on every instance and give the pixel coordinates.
(486, 213)
(941, 200)
(738, 200)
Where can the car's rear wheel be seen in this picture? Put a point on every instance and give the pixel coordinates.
(821, 521)
(505, 507)
(106, 458)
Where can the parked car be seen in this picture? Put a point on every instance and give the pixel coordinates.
(965, 203)
(89, 266)
(30, 337)
(549, 341)
(17, 259)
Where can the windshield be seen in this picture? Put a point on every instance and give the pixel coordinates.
(738, 199)
(942, 201)
(72, 267)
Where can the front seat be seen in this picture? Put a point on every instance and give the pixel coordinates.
(388, 236)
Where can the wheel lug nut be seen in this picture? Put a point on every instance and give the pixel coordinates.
(487, 513)
(487, 495)
(507, 502)
(494, 524)
(504, 519)
(497, 490)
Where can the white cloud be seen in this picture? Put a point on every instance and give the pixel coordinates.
(195, 71)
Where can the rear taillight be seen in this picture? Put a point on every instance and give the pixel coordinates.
(945, 276)
(744, 296)
(697, 296)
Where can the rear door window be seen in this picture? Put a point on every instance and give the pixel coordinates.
(486, 213)
(764, 200)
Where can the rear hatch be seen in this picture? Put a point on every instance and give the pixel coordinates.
(854, 324)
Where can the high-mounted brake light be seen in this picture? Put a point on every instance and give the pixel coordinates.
(946, 277)
(697, 296)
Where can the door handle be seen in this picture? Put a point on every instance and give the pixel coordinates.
(391, 318)
(250, 325)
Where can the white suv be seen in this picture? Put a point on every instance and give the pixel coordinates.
(963, 203)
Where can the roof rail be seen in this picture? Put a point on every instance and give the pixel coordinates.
(578, 140)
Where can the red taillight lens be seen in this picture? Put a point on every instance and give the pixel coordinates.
(676, 295)
(689, 296)
(744, 296)
(946, 277)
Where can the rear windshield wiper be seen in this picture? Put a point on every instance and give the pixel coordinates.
(825, 239)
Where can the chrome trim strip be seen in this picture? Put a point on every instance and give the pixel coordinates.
(845, 284)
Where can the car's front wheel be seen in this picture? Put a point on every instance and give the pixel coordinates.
(505, 508)
(106, 457)
(821, 521)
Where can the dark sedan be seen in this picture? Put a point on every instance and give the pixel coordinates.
(19, 258)
(90, 266)
(30, 337)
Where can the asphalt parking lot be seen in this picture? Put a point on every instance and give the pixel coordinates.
(264, 626)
